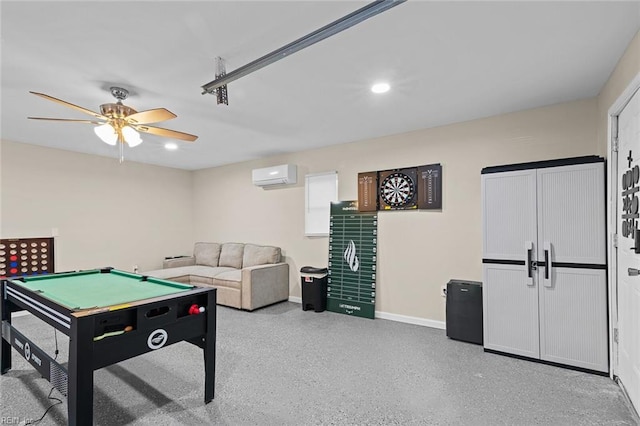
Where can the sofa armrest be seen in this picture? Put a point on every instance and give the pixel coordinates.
(178, 261)
(263, 285)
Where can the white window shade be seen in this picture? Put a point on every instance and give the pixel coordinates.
(321, 189)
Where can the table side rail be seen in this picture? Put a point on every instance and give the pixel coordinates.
(111, 350)
(62, 274)
(49, 368)
(157, 323)
(50, 312)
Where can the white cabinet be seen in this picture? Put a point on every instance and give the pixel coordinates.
(544, 261)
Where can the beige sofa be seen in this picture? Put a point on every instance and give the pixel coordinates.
(247, 276)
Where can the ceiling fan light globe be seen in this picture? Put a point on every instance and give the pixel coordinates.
(106, 133)
(131, 136)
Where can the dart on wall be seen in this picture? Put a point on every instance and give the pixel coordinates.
(401, 189)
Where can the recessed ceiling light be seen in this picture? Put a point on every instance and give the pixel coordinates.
(380, 87)
(171, 146)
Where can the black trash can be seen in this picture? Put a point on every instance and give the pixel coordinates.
(314, 288)
(464, 311)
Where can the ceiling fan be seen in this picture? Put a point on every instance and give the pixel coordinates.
(121, 123)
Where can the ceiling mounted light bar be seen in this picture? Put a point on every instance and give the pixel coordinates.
(335, 27)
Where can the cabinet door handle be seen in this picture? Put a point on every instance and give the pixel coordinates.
(633, 272)
(530, 264)
(548, 264)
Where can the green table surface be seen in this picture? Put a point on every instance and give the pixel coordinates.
(95, 289)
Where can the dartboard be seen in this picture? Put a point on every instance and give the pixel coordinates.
(398, 190)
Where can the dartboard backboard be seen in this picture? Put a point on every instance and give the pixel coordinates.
(430, 187)
(408, 188)
(26, 256)
(398, 189)
(368, 191)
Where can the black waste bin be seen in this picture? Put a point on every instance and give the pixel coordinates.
(464, 311)
(314, 288)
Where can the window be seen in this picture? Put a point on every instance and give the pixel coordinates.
(320, 190)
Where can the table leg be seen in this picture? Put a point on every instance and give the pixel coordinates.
(5, 315)
(80, 390)
(210, 349)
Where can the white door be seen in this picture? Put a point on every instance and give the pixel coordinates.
(509, 293)
(627, 217)
(573, 283)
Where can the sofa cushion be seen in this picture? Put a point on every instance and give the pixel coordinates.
(207, 254)
(260, 255)
(231, 275)
(231, 255)
(231, 279)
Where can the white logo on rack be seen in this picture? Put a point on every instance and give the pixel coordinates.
(27, 351)
(350, 256)
(157, 339)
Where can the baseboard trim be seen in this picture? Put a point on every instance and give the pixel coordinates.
(396, 317)
(411, 320)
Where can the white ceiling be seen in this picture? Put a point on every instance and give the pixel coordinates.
(446, 62)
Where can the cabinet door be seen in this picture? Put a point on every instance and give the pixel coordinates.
(510, 310)
(573, 319)
(508, 214)
(571, 213)
(572, 243)
(509, 293)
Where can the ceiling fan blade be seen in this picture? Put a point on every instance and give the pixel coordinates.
(158, 131)
(70, 105)
(150, 116)
(67, 119)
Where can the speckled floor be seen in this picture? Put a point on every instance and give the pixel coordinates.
(282, 366)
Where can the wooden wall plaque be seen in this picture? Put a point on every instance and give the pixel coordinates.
(430, 187)
(368, 191)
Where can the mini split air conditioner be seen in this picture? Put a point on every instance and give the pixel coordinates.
(276, 175)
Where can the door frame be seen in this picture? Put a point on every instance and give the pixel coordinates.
(612, 253)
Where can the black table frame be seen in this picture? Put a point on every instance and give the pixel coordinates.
(158, 322)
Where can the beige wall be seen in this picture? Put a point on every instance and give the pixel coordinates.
(626, 70)
(106, 213)
(419, 251)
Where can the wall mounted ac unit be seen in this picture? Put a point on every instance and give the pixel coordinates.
(276, 175)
